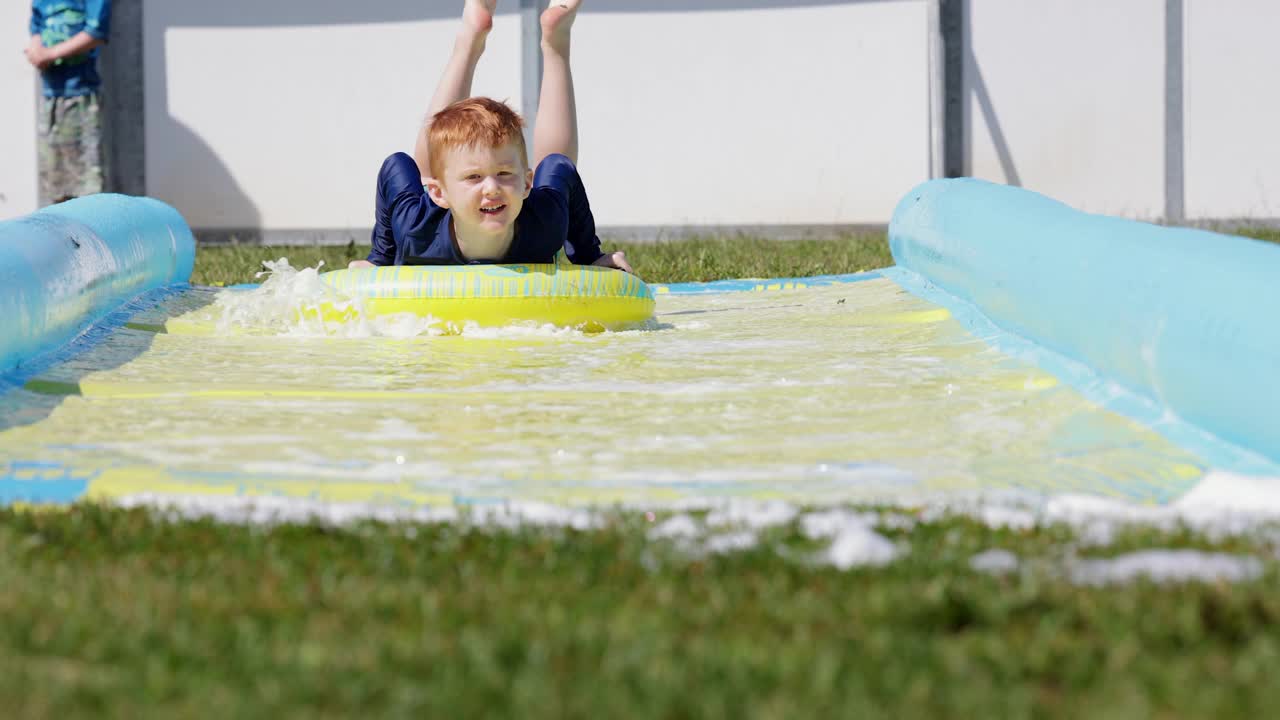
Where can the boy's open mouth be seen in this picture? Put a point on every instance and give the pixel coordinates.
(492, 210)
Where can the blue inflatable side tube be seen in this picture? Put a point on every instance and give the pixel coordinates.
(68, 265)
(1186, 318)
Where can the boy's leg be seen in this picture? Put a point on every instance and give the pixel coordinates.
(556, 131)
(47, 156)
(459, 71)
(69, 148)
(89, 160)
(556, 128)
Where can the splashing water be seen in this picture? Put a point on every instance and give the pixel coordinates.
(288, 303)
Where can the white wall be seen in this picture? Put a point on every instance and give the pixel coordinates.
(268, 121)
(796, 115)
(1232, 101)
(792, 115)
(277, 115)
(1066, 97)
(18, 189)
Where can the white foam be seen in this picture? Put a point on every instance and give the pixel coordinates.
(994, 561)
(731, 542)
(1007, 518)
(852, 541)
(1229, 493)
(526, 514)
(1222, 504)
(676, 527)
(830, 523)
(267, 510)
(754, 515)
(856, 546)
(1165, 566)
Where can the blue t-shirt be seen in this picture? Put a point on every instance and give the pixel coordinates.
(411, 230)
(58, 20)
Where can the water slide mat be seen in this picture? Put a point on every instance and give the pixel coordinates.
(848, 391)
(887, 386)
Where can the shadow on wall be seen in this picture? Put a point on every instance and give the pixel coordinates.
(981, 96)
(223, 202)
(974, 94)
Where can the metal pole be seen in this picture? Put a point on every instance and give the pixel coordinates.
(1174, 109)
(937, 91)
(530, 63)
(952, 20)
(124, 137)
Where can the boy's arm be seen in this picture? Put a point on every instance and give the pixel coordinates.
(382, 253)
(403, 210)
(35, 44)
(96, 27)
(80, 44)
(97, 19)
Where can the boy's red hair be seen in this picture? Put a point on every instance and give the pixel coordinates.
(474, 122)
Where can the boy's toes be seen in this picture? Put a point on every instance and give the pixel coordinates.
(558, 19)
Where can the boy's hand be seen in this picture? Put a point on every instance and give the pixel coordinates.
(355, 264)
(38, 55)
(616, 260)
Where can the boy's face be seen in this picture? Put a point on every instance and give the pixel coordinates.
(485, 187)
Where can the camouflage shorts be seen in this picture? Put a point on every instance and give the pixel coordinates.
(70, 148)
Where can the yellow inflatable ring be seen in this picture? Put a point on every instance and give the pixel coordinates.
(580, 296)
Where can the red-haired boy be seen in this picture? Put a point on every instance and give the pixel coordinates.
(481, 201)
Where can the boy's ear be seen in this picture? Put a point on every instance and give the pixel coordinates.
(435, 191)
(528, 183)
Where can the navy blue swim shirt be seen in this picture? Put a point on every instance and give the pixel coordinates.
(411, 230)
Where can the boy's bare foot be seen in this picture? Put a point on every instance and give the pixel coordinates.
(477, 15)
(557, 20)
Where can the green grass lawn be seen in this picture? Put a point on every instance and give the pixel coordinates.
(711, 258)
(1259, 233)
(697, 259)
(123, 613)
(118, 613)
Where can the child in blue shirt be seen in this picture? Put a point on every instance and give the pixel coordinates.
(468, 195)
(65, 37)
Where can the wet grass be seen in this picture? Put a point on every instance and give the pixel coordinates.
(120, 613)
(695, 259)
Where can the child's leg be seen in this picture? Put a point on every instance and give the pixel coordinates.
(459, 71)
(556, 131)
(556, 127)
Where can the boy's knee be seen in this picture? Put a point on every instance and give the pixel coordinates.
(395, 162)
(398, 171)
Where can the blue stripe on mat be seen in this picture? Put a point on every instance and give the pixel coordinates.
(759, 285)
